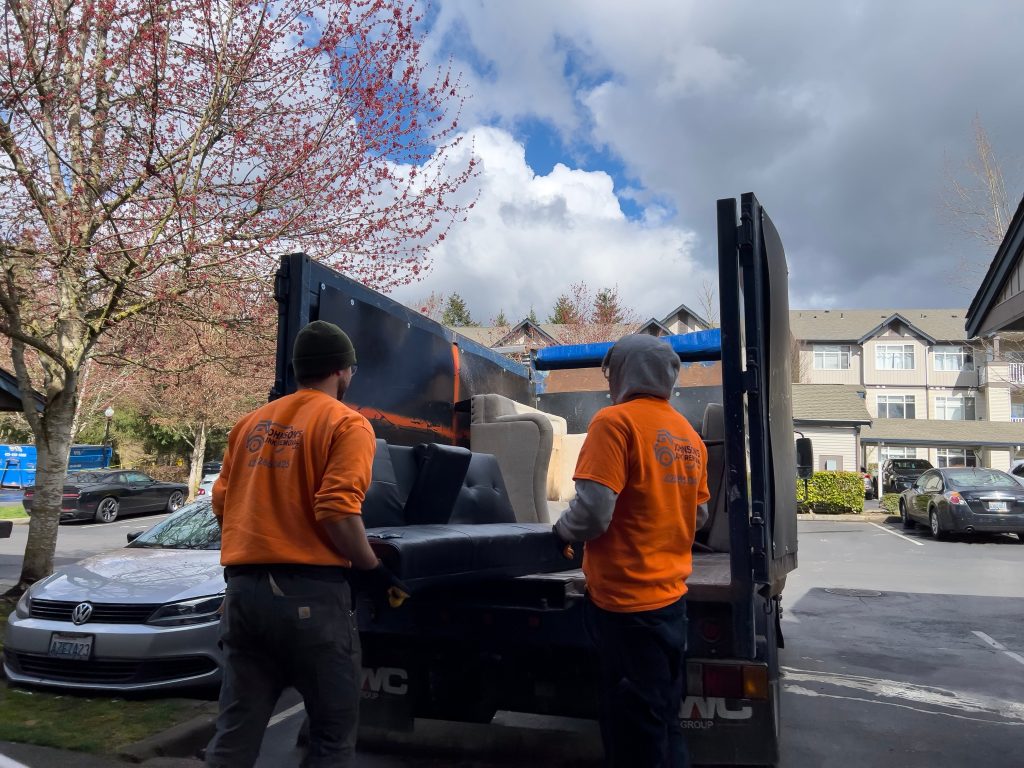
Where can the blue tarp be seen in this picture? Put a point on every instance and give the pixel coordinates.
(701, 346)
(18, 462)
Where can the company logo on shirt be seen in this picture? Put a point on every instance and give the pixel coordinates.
(267, 432)
(668, 449)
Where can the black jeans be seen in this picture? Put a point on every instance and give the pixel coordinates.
(643, 672)
(305, 637)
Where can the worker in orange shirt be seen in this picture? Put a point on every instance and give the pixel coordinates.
(289, 499)
(640, 478)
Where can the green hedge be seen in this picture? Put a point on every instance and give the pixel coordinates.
(832, 493)
(891, 503)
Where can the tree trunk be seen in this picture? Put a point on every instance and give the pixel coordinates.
(53, 447)
(195, 473)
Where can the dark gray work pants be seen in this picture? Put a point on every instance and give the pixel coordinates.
(306, 638)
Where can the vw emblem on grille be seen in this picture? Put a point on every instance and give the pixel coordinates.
(81, 613)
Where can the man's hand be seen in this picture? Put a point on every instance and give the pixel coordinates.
(565, 548)
(380, 584)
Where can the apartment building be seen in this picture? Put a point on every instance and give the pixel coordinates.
(930, 392)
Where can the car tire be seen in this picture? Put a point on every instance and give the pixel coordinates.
(908, 524)
(1020, 537)
(106, 510)
(174, 501)
(935, 525)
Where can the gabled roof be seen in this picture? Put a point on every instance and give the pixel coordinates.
(1003, 263)
(653, 323)
(527, 327)
(851, 325)
(683, 308)
(829, 403)
(938, 432)
(895, 318)
(10, 394)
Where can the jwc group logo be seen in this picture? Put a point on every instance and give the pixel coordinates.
(279, 436)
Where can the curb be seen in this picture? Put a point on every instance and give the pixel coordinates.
(19, 520)
(181, 740)
(868, 517)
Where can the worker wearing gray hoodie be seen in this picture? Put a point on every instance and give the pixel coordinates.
(640, 479)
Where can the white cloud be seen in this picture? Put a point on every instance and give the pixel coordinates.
(530, 236)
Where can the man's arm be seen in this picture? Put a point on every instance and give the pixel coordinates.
(589, 513)
(348, 535)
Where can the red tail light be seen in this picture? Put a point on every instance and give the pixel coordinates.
(955, 498)
(71, 495)
(201, 492)
(723, 681)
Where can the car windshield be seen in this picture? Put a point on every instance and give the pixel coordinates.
(911, 464)
(89, 477)
(981, 478)
(191, 527)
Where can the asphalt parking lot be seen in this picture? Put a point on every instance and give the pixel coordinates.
(901, 652)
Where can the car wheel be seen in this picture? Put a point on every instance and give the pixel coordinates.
(935, 526)
(907, 522)
(175, 500)
(106, 512)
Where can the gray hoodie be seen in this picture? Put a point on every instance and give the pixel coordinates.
(637, 365)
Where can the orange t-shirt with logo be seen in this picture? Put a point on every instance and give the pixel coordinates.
(648, 453)
(290, 465)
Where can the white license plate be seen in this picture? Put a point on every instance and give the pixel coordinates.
(997, 506)
(77, 647)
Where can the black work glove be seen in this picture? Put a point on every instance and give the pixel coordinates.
(380, 585)
(565, 548)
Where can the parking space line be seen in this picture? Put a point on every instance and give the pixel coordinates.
(999, 646)
(6, 762)
(889, 530)
(281, 716)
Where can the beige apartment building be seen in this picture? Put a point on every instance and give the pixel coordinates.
(930, 392)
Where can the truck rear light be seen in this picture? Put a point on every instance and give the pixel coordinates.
(755, 682)
(723, 681)
(727, 681)
(710, 631)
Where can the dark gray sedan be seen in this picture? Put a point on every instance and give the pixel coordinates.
(965, 500)
(105, 495)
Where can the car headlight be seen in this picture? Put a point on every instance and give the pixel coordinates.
(24, 606)
(198, 611)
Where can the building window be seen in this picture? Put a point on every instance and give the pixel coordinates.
(957, 457)
(955, 408)
(954, 359)
(1016, 411)
(894, 357)
(896, 407)
(898, 452)
(831, 357)
(831, 463)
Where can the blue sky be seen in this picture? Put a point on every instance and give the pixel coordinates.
(605, 138)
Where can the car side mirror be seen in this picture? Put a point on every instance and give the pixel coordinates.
(133, 535)
(804, 458)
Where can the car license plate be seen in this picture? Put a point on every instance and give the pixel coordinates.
(997, 506)
(64, 646)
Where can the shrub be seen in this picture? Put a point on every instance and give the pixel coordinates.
(891, 503)
(832, 493)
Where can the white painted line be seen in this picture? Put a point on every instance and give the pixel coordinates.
(6, 762)
(280, 716)
(889, 530)
(999, 646)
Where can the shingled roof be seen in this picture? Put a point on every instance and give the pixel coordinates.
(829, 404)
(936, 432)
(853, 324)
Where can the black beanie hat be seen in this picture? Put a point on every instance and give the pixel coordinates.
(321, 348)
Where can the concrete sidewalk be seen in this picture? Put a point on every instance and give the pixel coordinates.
(30, 756)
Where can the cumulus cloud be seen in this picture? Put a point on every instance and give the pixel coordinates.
(530, 236)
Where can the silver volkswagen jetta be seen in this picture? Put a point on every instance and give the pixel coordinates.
(139, 618)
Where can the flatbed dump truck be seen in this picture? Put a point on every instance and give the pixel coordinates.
(467, 651)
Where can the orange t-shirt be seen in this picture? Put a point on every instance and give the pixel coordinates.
(294, 462)
(648, 453)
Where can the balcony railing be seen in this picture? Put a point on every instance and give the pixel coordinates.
(1017, 373)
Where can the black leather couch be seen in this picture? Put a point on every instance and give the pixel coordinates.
(439, 514)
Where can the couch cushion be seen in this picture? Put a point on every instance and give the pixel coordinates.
(434, 555)
(483, 497)
(384, 503)
(441, 469)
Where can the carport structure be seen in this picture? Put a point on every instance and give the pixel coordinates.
(993, 443)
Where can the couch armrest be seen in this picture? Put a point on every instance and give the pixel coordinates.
(522, 445)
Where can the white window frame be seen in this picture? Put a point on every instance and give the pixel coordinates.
(953, 357)
(960, 403)
(892, 353)
(841, 352)
(897, 452)
(962, 457)
(904, 400)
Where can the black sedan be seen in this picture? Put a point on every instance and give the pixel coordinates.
(965, 499)
(899, 474)
(105, 495)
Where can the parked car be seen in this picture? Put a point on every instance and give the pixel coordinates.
(899, 474)
(138, 618)
(206, 485)
(105, 495)
(965, 499)
(1017, 470)
(212, 467)
(870, 487)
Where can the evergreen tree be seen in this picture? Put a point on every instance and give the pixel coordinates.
(564, 312)
(532, 317)
(456, 313)
(501, 320)
(607, 308)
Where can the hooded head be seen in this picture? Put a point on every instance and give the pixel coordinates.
(640, 365)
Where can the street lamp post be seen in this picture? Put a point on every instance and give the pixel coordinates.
(109, 413)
